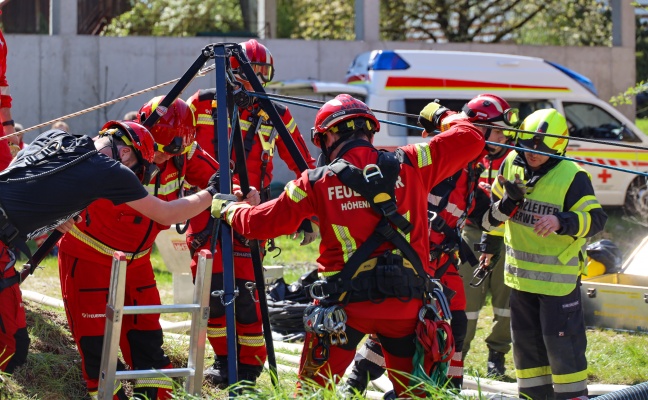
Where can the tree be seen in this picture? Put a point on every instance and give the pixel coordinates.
(177, 18)
(569, 23)
(325, 19)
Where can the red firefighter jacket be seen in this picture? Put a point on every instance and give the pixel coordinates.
(262, 136)
(201, 104)
(346, 220)
(5, 101)
(107, 227)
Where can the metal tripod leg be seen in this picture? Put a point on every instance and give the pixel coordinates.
(115, 310)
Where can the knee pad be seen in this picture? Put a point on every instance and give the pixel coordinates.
(146, 349)
(400, 347)
(246, 306)
(459, 327)
(91, 347)
(22, 348)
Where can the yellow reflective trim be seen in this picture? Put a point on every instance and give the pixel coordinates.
(423, 154)
(584, 223)
(265, 130)
(497, 189)
(216, 332)
(291, 125)
(347, 242)
(100, 247)
(204, 119)
(570, 378)
(294, 192)
(251, 341)
(164, 190)
(245, 124)
(161, 382)
(533, 372)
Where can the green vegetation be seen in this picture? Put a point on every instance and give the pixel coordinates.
(642, 123)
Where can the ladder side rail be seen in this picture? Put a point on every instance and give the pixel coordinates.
(114, 318)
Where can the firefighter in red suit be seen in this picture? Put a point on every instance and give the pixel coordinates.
(260, 141)
(76, 171)
(382, 296)
(85, 255)
(5, 108)
(451, 204)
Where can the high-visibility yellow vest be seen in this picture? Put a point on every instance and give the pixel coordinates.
(549, 265)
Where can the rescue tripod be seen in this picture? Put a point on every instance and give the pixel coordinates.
(229, 93)
(199, 309)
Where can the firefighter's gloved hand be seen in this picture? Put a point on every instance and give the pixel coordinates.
(220, 203)
(311, 232)
(430, 116)
(213, 186)
(514, 190)
(513, 195)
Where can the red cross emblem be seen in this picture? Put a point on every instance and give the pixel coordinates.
(604, 175)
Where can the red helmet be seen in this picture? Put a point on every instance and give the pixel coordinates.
(260, 60)
(489, 108)
(342, 108)
(175, 131)
(139, 139)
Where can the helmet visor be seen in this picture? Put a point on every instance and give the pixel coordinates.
(174, 148)
(535, 142)
(262, 70)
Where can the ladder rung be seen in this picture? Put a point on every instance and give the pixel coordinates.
(155, 373)
(164, 308)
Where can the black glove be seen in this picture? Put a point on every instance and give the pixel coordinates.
(431, 115)
(514, 190)
(513, 195)
(213, 186)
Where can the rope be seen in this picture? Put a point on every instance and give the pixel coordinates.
(285, 99)
(201, 73)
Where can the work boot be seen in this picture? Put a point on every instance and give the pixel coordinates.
(249, 373)
(495, 367)
(216, 375)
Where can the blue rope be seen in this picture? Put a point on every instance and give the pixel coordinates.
(516, 148)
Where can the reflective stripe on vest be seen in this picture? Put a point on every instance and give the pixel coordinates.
(549, 265)
(100, 247)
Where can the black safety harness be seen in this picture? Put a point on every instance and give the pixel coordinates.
(390, 275)
(52, 151)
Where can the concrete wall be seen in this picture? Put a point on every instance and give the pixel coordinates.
(51, 76)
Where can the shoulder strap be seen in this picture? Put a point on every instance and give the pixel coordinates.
(376, 184)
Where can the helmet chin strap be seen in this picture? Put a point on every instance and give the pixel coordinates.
(328, 151)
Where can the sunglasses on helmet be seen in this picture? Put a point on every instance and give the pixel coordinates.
(263, 71)
(174, 148)
(510, 117)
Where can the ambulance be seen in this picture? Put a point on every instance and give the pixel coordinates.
(404, 81)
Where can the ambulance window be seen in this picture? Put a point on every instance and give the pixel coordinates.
(590, 121)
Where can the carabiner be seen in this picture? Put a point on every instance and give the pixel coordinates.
(318, 284)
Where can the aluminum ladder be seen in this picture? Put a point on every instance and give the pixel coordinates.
(115, 310)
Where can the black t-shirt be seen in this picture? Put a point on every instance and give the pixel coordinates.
(39, 205)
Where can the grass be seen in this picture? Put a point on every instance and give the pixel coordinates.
(53, 366)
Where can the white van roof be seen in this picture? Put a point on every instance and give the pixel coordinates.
(387, 72)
